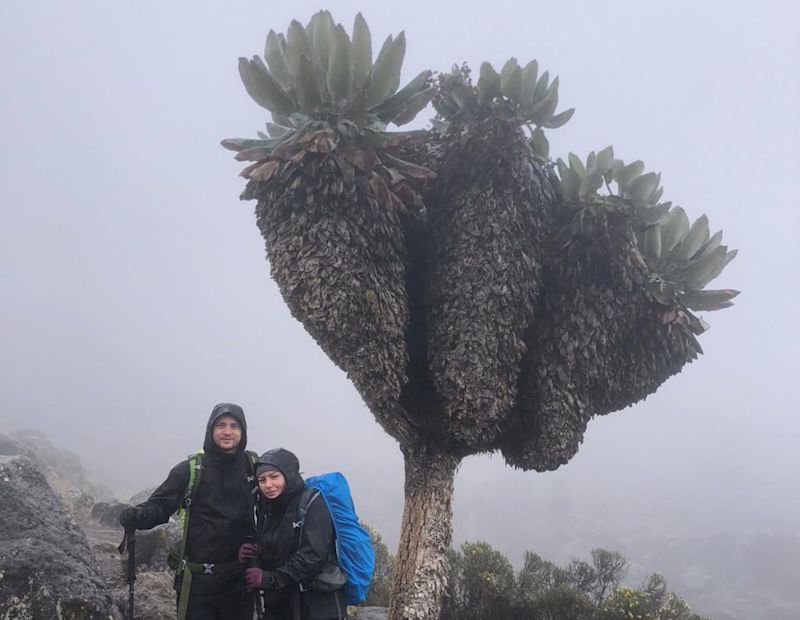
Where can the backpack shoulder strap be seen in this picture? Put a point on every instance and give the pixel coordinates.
(252, 459)
(308, 496)
(195, 473)
(195, 462)
(252, 481)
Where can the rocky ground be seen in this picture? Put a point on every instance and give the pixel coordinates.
(154, 597)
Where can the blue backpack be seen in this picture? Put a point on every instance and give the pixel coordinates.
(354, 548)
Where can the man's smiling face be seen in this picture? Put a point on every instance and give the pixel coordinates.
(227, 433)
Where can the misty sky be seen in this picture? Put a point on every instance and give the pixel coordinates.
(135, 291)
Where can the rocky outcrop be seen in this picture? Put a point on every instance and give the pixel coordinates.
(11, 447)
(63, 470)
(47, 569)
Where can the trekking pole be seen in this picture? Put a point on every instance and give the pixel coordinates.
(129, 542)
(253, 562)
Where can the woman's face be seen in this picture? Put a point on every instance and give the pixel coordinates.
(271, 483)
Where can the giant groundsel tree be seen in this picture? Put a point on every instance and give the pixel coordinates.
(479, 296)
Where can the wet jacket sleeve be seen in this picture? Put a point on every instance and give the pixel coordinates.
(166, 499)
(315, 545)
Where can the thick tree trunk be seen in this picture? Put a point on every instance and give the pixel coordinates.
(420, 574)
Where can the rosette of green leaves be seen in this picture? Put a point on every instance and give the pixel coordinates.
(683, 258)
(516, 93)
(318, 75)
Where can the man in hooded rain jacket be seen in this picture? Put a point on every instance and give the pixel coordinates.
(221, 519)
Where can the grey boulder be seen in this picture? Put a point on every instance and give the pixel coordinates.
(46, 567)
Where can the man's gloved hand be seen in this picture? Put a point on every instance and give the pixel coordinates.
(255, 578)
(248, 551)
(131, 517)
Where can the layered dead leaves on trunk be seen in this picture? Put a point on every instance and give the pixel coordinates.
(490, 324)
(600, 343)
(490, 208)
(339, 259)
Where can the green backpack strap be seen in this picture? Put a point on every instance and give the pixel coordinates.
(252, 459)
(195, 467)
(195, 471)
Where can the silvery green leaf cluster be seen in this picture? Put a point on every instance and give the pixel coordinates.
(683, 257)
(516, 92)
(320, 77)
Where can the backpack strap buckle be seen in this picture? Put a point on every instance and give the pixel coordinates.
(208, 569)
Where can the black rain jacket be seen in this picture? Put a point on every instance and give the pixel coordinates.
(222, 510)
(296, 560)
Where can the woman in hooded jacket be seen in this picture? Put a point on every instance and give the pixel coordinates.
(293, 561)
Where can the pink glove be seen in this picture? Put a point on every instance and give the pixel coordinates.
(252, 577)
(247, 551)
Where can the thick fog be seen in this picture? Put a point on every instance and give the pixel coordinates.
(136, 294)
